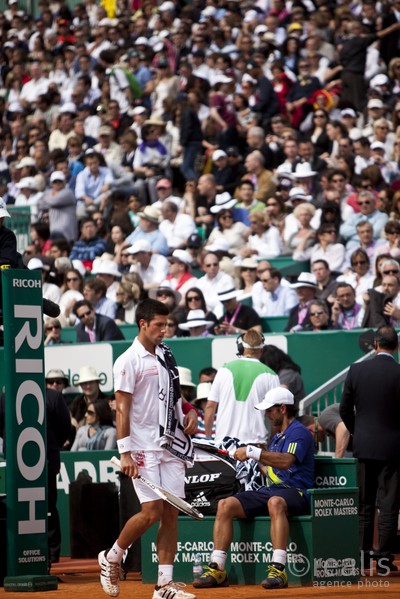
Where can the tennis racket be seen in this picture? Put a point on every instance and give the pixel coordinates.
(221, 453)
(177, 502)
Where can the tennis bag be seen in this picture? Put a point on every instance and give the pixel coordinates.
(210, 480)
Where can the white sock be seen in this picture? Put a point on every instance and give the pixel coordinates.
(164, 574)
(115, 554)
(218, 557)
(279, 556)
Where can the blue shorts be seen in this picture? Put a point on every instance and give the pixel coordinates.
(255, 503)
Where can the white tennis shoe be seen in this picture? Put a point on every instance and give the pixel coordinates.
(109, 575)
(172, 590)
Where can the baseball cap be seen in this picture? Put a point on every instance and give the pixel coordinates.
(276, 397)
(141, 245)
(182, 256)
(57, 176)
(217, 154)
(3, 210)
(378, 145)
(105, 130)
(194, 241)
(375, 103)
(166, 6)
(348, 112)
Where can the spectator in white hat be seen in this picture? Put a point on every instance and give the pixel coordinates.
(197, 324)
(107, 271)
(237, 318)
(29, 196)
(221, 170)
(234, 232)
(306, 289)
(179, 276)
(89, 381)
(50, 291)
(152, 268)
(148, 230)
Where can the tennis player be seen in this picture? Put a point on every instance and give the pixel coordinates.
(153, 441)
(288, 465)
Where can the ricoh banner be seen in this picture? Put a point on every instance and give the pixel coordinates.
(26, 423)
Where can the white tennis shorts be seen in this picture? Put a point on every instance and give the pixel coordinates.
(161, 468)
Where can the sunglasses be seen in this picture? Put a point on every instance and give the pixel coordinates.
(72, 279)
(390, 272)
(194, 298)
(247, 269)
(80, 316)
(317, 313)
(53, 327)
(56, 382)
(164, 294)
(364, 203)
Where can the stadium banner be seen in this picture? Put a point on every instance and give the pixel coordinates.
(25, 405)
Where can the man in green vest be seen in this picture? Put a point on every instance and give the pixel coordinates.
(237, 388)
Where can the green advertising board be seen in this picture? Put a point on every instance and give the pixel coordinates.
(25, 410)
(322, 548)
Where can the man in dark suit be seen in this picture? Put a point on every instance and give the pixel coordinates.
(94, 327)
(370, 409)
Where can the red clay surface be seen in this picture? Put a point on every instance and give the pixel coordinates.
(80, 580)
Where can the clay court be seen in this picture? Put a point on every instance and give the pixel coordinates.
(79, 580)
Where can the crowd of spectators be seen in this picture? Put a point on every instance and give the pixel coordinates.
(178, 147)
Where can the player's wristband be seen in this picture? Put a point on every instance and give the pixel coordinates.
(124, 445)
(253, 452)
(187, 407)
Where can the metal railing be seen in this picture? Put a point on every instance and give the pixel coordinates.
(326, 395)
(20, 223)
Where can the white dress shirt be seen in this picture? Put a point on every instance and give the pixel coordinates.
(278, 303)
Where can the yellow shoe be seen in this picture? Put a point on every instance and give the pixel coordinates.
(211, 577)
(276, 577)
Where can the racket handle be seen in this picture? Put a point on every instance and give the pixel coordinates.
(114, 460)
